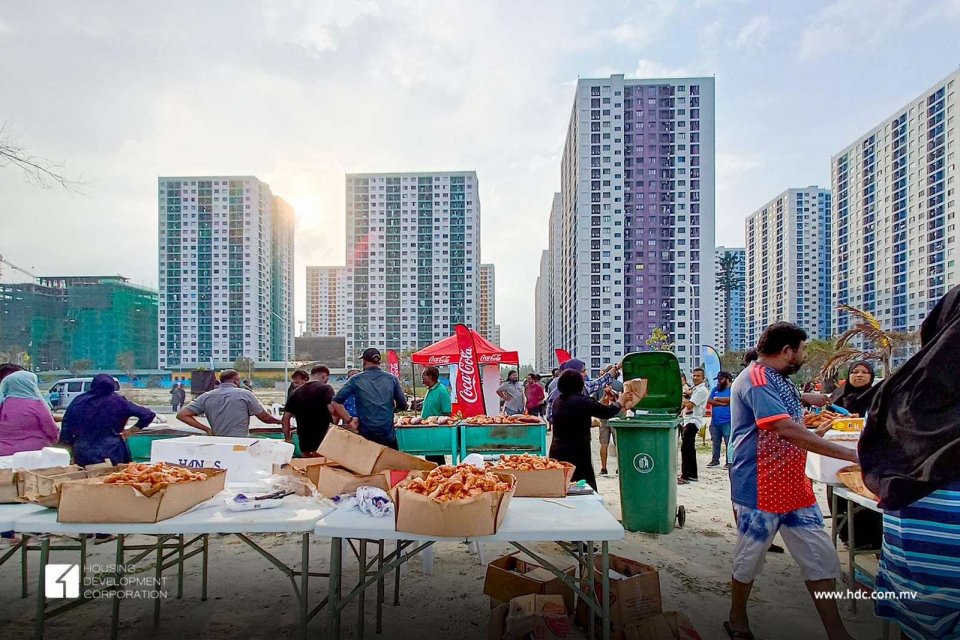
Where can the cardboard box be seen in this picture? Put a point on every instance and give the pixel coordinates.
(634, 597)
(511, 576)
(90, 500)
(663, 626)
(545, 483)
(244, 459)
(531, 616)
(477, 516)
(8, 486)
(362, 456)
(42, 486)
(308, 468)
(334, 481)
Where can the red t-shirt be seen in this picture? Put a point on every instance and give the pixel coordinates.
(535, 395)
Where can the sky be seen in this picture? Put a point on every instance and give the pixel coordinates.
(298, 93)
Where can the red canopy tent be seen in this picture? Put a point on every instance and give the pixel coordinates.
(448, 352)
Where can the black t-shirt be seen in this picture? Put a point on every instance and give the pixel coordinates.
(310, 406)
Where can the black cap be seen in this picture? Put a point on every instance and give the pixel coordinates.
(372, 355)
(724, 374)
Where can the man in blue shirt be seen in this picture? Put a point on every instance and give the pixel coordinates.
(720, 418)
(378, 396)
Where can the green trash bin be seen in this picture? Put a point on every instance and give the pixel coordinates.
(647, 445)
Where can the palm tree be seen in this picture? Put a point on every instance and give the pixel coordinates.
(728, 281)
(867, 330)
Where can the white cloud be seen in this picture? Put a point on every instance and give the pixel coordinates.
(849, 25)
(754, 35)
(647, 68)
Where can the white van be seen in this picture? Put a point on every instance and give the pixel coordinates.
(63, 392)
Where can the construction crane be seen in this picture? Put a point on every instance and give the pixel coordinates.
(16, 268)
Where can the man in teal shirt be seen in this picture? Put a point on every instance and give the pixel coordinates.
(436, 402)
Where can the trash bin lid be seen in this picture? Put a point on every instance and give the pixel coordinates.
(662, 372)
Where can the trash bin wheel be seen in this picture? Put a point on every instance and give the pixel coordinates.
(681, 516)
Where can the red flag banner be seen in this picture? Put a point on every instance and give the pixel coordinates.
(562, 356)
(469, 386)
(394, 362)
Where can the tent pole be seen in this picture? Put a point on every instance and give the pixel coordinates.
(413, 378)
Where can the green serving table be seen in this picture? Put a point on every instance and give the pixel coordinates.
(430, 441)
(495, 439)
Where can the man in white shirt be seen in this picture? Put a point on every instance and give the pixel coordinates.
(694, 418)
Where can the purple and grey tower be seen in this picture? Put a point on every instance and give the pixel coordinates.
(636, 238)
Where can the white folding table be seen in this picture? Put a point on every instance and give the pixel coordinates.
(564, 520)
(9, 514)
(296, 515)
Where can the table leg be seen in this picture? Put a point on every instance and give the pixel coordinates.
(205, 555)
(24, 589)
(380, 586)
(851, 553)
(115, 612)
(362, 600)
(333, 595)
(396, 578)
(834, 532)
(591, 627)
(158, 575)
(304, 582)
(180, 568)
(41, 595)
(605, 585)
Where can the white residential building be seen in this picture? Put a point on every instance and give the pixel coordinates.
(543, 357)
(413, 259)
(736, 314)
(895, 216)
(789, 263)
(327, 290)
(226, 271)
(547, 318)
(637, 223)
(488, 326)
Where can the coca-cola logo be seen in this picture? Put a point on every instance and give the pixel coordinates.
(491, 358)
(468, 388)
(439, 360)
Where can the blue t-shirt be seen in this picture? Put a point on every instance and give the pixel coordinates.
(768, 472)
(720, 414)
(378, 395)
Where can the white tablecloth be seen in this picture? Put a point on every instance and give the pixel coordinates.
(10, 513)
(527, 519)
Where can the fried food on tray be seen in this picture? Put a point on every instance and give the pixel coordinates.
(416, 421)
(520, 418)
(526, 462)
(819, 419)
(151, 478)
(446, 483)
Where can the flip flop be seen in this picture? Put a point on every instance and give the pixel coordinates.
(737, 635)
(682, 481)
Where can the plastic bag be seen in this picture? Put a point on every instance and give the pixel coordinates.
(369, 500)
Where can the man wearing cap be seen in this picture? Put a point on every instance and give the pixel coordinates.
(590, 387)
(378, 395)
(720, 418)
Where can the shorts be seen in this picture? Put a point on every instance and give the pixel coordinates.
(606, 433)
(803, 534)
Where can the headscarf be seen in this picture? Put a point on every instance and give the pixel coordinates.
(855, 399)
(20, 384)
(911, 443)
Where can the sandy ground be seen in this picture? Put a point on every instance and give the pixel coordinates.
(249, 598)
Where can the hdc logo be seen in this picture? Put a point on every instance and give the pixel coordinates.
(61, 581)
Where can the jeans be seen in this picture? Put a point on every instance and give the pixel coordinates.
(688, 451)
(718, 433)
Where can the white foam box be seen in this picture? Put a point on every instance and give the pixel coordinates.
(243, 458)
(824, 469)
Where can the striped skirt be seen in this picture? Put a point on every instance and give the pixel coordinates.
(921, 556)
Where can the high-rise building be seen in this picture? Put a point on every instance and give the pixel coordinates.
(226, 271)
(895, 242)
(548, 319)
(413, 259)
(734, 314)
(543, 354)
(637, 221)
(60, 320)
(789, 263)
(327, 292)
(488, 326)
(281, 283)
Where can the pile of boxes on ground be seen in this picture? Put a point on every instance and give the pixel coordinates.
(527, 599)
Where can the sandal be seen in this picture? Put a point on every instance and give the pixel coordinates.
(737, 635)
(682, 481)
